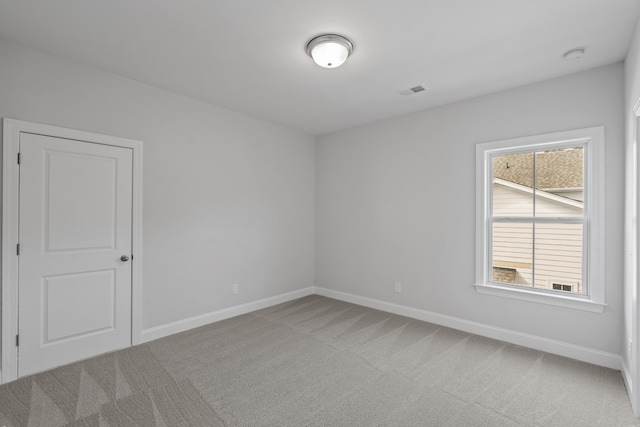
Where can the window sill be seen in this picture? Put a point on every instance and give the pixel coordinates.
(541, 298)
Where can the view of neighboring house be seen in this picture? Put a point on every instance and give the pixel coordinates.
(535, 198)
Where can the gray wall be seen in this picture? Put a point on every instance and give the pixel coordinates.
(227, 198)
(232, 199)
(396, 203)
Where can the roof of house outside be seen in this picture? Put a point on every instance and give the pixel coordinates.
(555, 169)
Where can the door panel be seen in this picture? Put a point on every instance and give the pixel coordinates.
(87, 296)
(75, 224)
(93, 195)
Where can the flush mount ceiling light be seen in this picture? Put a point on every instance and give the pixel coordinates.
(329, 50)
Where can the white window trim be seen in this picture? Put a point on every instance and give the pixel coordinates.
(593, 138)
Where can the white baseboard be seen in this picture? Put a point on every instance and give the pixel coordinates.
(589, 355)
(215, 316)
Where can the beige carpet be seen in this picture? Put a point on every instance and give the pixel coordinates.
(320, 362)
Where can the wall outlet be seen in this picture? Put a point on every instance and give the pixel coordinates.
(397, 287)
(234, 288)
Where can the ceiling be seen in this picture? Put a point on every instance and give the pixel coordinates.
(248, 55)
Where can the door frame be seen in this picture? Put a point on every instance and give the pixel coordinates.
(631, 363)
(10, 219)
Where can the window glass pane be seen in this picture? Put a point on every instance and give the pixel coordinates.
(558, 249)
(512, 185)
(512, 253)
(559, 182)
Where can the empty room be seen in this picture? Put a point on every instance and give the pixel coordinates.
(337, 213)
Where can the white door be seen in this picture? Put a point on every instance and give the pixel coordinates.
(75, 234)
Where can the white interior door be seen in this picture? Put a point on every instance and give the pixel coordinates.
(75, 235)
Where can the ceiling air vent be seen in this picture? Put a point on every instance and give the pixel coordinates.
(416, 89)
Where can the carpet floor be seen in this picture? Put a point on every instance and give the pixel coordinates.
(320, 362)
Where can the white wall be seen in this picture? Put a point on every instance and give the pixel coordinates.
(396, 203)
(227, 198)
(631, 327)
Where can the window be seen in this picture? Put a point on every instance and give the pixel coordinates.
(562, 287)
(539, 226)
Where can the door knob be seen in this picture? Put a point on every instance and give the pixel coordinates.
(124, 258)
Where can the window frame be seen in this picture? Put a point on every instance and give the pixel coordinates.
(592, 139)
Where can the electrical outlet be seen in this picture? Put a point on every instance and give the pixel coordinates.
(398, 287)
(234, 288)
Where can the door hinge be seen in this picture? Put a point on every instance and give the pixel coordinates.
(18, 249)
(18, 158)
(17, 340)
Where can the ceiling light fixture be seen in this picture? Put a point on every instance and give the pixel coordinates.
(329, 50)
